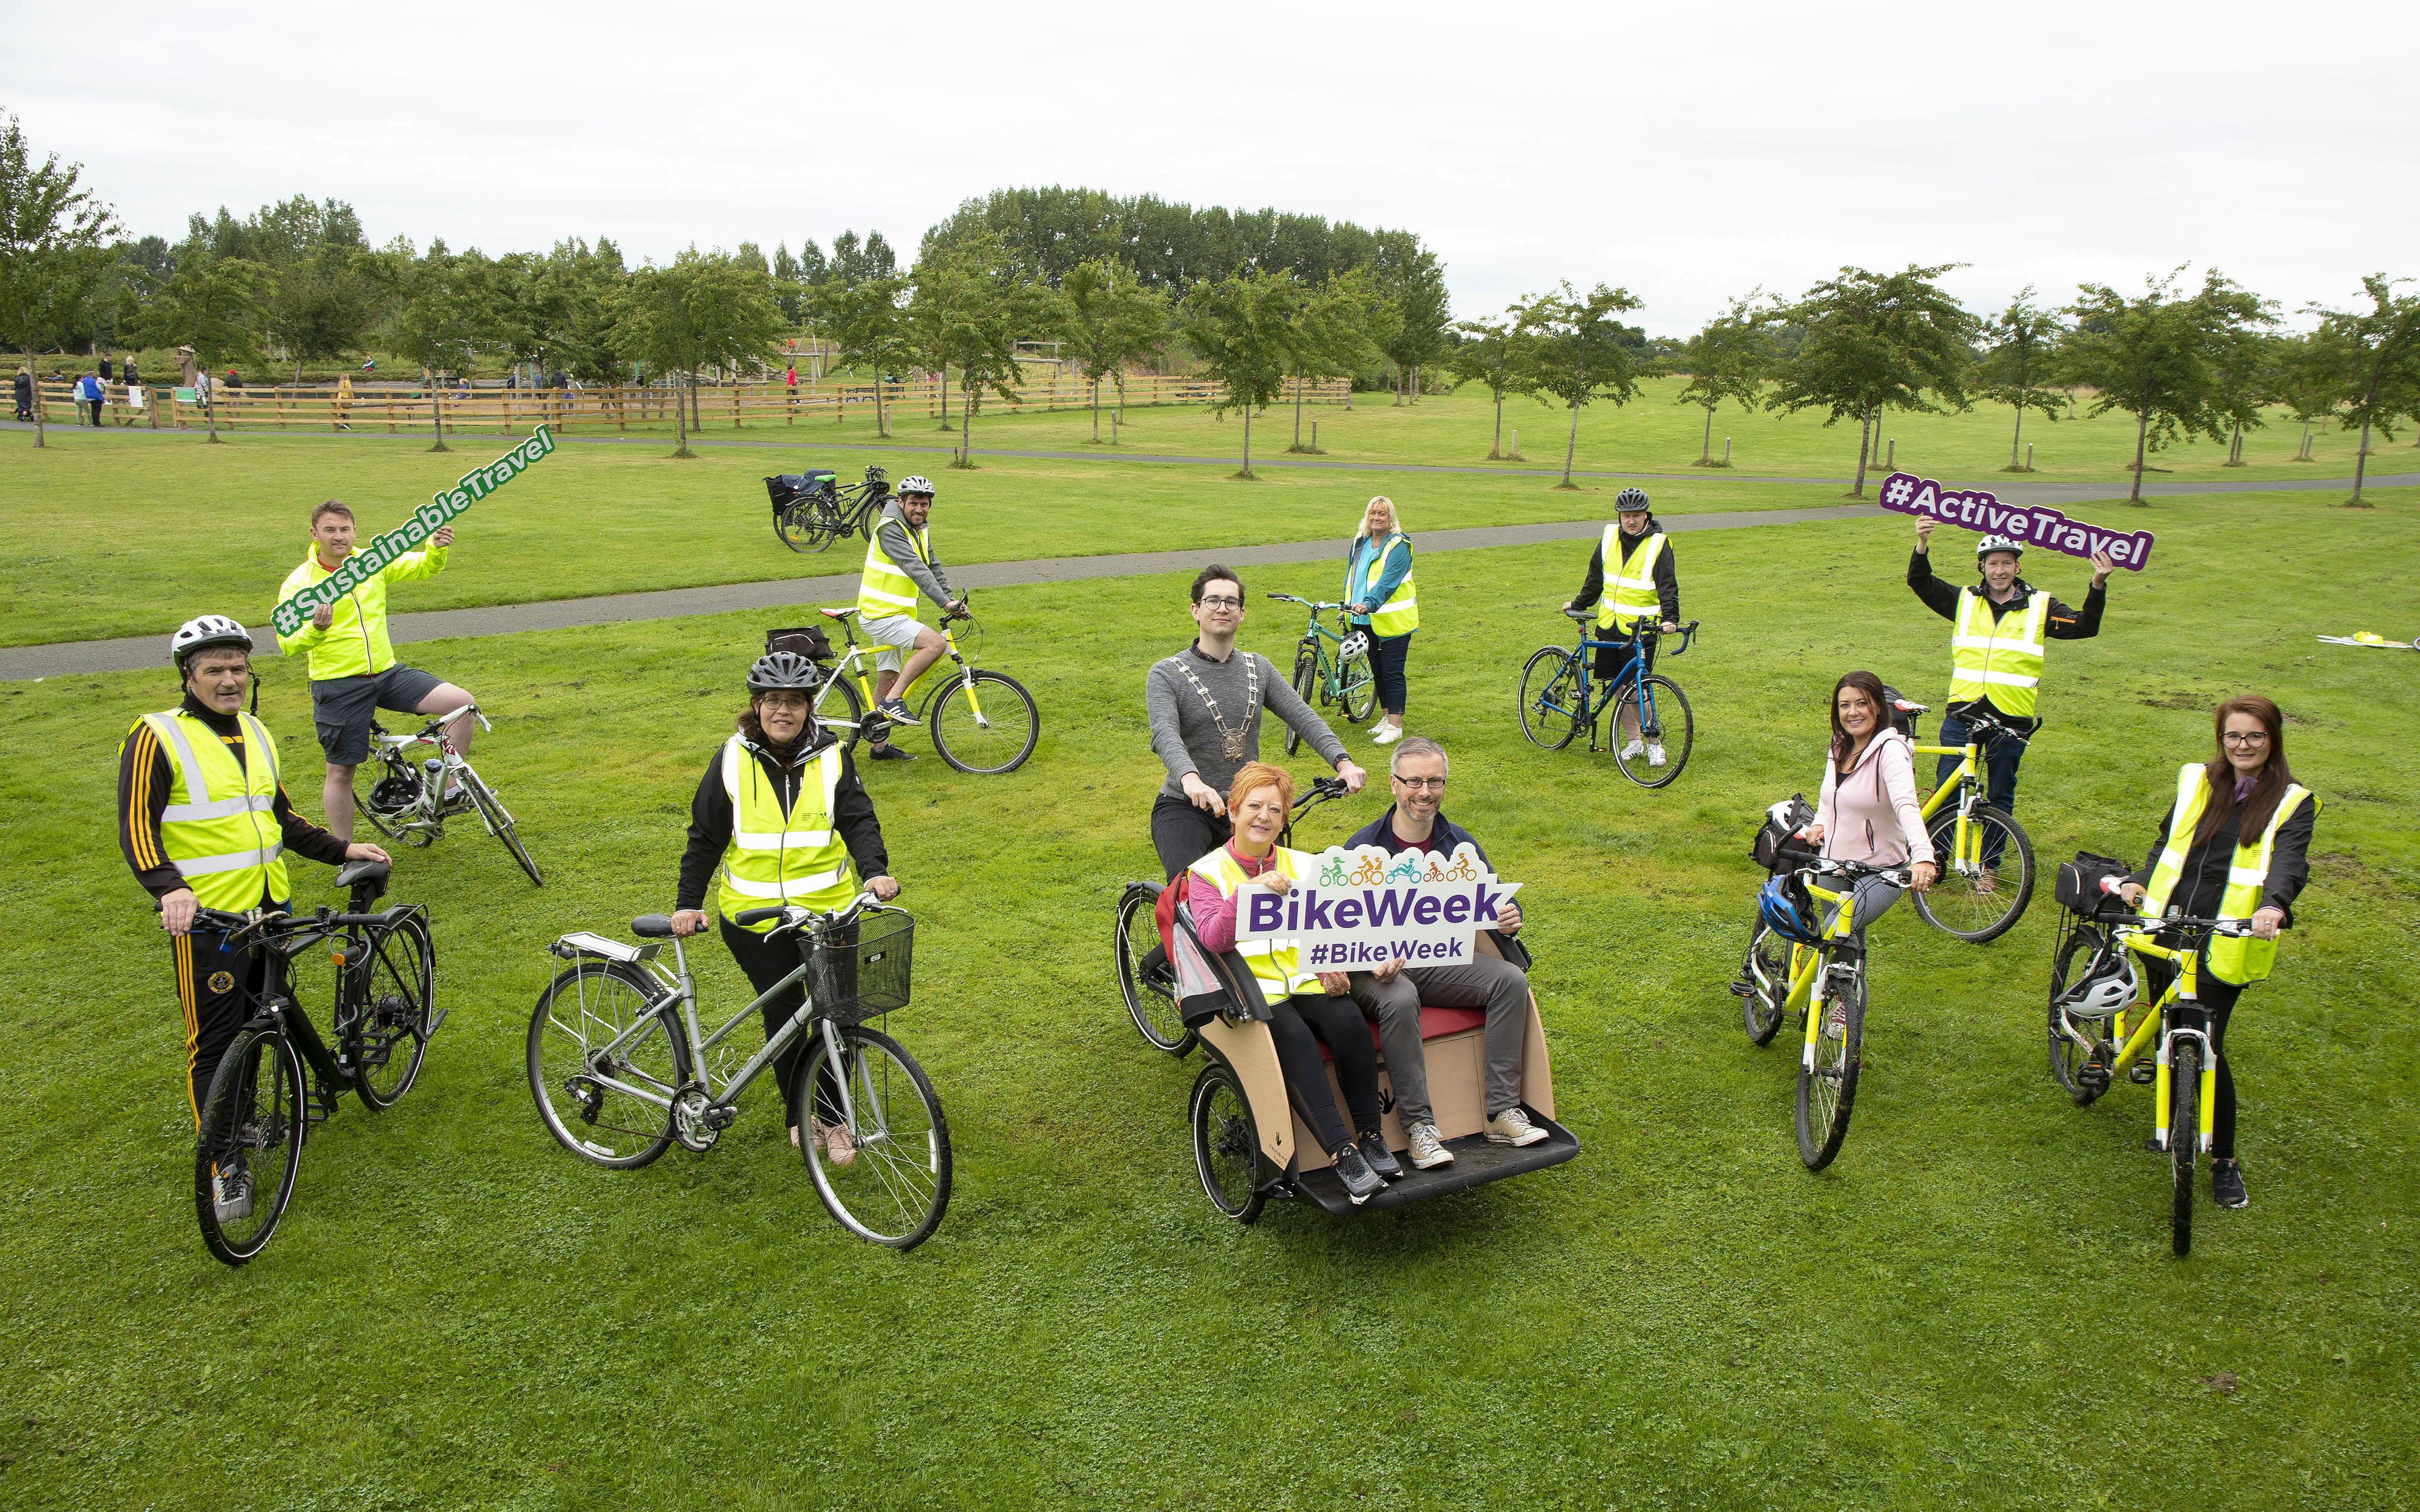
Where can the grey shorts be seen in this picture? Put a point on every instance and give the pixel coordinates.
(893, 633)
(342, 707)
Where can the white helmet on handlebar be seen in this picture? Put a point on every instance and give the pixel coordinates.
(2105, 991)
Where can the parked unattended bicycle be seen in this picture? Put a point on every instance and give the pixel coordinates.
(1332, 667)
(983, 722)
(258, 1108)
(621, 1069)
(1559, 699)
(406, 798)
(812, 510)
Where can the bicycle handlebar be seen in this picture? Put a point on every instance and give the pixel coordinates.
(1314, 608)
(1897, 876)
(270, 921)
(2144, 922)
(1322, 789)
(793, 915)
(438, 721)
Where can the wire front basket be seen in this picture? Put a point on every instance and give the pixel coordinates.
(861, 972)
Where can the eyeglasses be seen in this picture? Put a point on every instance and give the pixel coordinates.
(1421, 784)
(1213, 601)
(2242, 738)
(792, 702)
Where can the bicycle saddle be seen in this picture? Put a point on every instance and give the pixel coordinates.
(836, 614)
(372, 874)
(652, 926)
(1581, 615)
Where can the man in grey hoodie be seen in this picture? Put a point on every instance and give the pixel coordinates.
(901, 566)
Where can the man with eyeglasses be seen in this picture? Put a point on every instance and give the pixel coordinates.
(1394, 992)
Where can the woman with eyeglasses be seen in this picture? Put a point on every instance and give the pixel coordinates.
(1380, 601)
(2236, 845)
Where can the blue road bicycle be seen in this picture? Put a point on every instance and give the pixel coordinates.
(1560, 698)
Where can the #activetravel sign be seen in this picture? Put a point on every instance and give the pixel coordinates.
(380, 554)
(2036, 524)
(1360, 908)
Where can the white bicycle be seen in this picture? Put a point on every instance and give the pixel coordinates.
(406, 797)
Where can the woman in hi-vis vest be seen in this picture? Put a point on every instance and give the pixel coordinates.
(1379, 598)
(2235, 844)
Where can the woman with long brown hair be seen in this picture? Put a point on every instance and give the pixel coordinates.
(1867, 811)
(2235, 844)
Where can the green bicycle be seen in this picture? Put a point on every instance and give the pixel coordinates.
(1341, 676)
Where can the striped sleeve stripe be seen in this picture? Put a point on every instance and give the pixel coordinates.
(138, 807)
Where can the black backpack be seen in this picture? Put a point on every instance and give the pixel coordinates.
(807, 640)
(1776, 846)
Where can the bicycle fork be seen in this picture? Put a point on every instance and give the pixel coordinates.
(2164, 1083)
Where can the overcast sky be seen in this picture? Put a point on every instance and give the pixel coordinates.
(1689, 153)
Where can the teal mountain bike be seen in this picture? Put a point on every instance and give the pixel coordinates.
(1332, 667)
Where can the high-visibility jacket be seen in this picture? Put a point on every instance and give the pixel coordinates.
(2232, 958)
(775, 857)
(355, 643)
(883, 590)
(1401, 613)
(1629, 581)
(1997, 656)
(219, 828)
(1277, 963)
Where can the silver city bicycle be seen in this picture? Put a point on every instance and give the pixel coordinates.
(620, 1067)
(407, 798)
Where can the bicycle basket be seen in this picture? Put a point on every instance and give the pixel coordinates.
(2078, 886)
(807, 640)
(787, 489)
(861, 972)
(1776, 846)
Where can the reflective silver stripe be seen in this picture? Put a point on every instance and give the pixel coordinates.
(204, 865)
(2248, 876)
(1986, 642)
(906, 600)
(261, 742)
(796, 887)
(209, 809)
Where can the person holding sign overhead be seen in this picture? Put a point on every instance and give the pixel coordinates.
(1380, 599)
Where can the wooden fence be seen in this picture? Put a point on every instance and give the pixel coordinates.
(408, 407)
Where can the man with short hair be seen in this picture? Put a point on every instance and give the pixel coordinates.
(899, 565)
(1393, 993)
(1630, 579)
(353, 670)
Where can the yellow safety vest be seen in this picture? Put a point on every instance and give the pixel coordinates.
(1277, 963)
(219, 829)
(1989, 659)
(2232, 958)
(355, 643)
(884, 591)
(774, 857)
(1629, 581)
(1401, 613)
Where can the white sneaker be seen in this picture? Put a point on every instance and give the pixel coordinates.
(1633, 749)
(1655, 755)
(1386, 733)
(231, 1194)
(1513, 1127)
(1427, 1150)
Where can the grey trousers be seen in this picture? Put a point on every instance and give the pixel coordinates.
(1874, 897)
(1497, 986)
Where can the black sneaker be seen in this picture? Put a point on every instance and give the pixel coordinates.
(1382, 1159)
(1360, 1182)
(891, 753)
(2226, 1184)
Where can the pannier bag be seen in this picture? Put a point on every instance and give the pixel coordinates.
(807, 640)
(787, 489)
(1777, 846)
(2078, 885)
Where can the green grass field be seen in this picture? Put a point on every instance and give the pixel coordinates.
(1973, 1306)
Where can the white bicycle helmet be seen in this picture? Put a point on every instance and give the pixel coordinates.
(915, 483)
(200, 634)
(1997, 543)
(2103, 992)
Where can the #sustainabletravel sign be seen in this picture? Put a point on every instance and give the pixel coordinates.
(380, 554)
(2036, 524)
(1360, 909)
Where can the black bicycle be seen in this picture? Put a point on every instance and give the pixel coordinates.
(255, 1113)
(813, 508)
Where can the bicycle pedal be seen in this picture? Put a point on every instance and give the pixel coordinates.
(1743, 989)
(2143, 1074)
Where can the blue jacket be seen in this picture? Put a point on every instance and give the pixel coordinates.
(1390, 577)
(1447, 836)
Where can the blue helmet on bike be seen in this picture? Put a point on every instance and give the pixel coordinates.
(1777, 905)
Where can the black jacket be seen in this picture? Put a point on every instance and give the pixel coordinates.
(2204, 879)
(709, 817)
(1668, 581)
(143, 780)
(2060, 624)
(1445, 837)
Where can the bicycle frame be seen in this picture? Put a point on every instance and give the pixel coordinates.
(852, 664)
(2176, 1015)
(426, 814)
(1645, 639)
(1806, 963)
(1966, 840)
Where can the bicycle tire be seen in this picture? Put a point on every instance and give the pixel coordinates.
(395, 1019)
(267, 1132)
(1356, 686)
(850, 733)
(1306, 687)
(558, 1061)
(1980, 922)
(1549, 687)
(2184, 1141)
(1226, 1143)
(1662, 696)
(804, 528)
(998, 719)
(500, 822)
(366, 777)
(1827, 1090)
(899, 1166)
(1154, 1011)
(2069, 1060)
(1761, 1012)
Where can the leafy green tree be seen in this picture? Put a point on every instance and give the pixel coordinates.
(1334, 334)
(2374, 357)
(2018, 346)
(53, 245)
(790, 283)
(216, 305)
(864, 321)
(1491, 353)
(2303, 378)
(1873, 342)
(704, 308)
(970, 310)
(1726, 360)
(2156, 356)
(1412, 282)
(1109, 319)
(1574, 351)
(449, 312)
(324, 304)
(1241, 326)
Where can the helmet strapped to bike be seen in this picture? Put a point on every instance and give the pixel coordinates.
(915, 483)
(199, 635)
(1630, 501)
(1776, 904)
(1997, 543)
(786, 670)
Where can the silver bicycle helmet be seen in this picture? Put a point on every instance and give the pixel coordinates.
(1629, 500)
(201, 633)
(786, 670)
(915, 483)
(2104, 991)
(1997, 543)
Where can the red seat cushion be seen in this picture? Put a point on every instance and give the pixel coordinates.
(1434, 1022)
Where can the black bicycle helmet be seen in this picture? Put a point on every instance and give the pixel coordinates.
(783, 669)
(1628, 500)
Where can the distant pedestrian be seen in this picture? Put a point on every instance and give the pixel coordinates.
(234, 378)
(344, 401)
(88, 394)
(21, 391)
(105, 378)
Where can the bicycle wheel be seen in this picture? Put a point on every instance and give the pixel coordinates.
(1765, 973)
(1357, 684)
(804, 528)
(368, 778)
(1828, 1088)
(1226, 1143)
(583, 1011)
(894, 1184)
(387, 1035)
(499, 822)
(2081, 1069)
(994, 739)
(1664, 724)
(846, 721)
(1971, 902)
(2184, 1140)
(1306, 687)
(252, 1137)
(1550, 698)
(1150, 1002)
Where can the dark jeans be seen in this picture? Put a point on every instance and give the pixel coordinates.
(2001, 754)
(1386, 658)
(1183, 835)
(1299, 1024)
(767, 961)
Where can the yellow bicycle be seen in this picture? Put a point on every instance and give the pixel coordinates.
(1977, 897)
(983, 722)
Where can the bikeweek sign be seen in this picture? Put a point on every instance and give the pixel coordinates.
(380, 554)
(1360, 909)
(2035, 524)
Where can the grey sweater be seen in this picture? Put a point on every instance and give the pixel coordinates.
(1186, 737)
(892, 534)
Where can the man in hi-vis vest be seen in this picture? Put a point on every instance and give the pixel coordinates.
(205, 823)
(1999, 632)
(900, 563)
(1630, 578)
